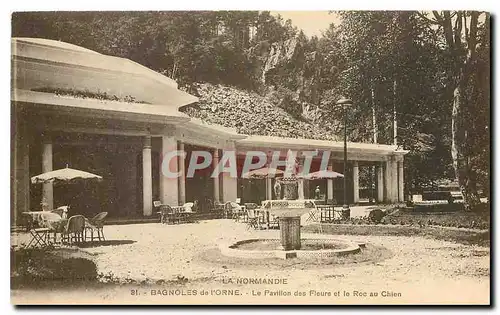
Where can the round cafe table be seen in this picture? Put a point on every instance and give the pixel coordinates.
(52, 221)
(33, 218)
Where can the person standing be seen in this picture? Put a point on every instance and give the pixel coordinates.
(277, 189)
(317, 193)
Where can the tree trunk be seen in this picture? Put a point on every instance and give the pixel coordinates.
(459, 148)
(394, 113)
(374, 116)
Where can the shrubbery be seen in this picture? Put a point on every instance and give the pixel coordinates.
(45, 266)
(458, 219)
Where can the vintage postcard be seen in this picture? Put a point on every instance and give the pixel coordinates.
(250, 157)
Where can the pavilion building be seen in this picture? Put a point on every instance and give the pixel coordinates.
(74, 107)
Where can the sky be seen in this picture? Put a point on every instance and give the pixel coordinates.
(311, 22)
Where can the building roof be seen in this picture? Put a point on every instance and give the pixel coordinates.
(99, 108)
(310, 144)
(53, 43)
(36, 60)
(201, 126)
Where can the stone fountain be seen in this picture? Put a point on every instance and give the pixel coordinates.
(291, 244)
(289, 210)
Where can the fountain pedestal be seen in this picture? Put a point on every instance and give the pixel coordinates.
(290, 232)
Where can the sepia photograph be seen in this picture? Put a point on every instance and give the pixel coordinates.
(250, 158)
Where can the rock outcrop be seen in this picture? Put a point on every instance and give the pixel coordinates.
(251, 114)
(279, 51)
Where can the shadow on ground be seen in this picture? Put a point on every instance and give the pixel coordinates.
(105, 243)
(370, 254)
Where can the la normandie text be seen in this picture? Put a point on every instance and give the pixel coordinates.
(255, 280)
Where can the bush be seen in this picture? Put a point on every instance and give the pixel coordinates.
(376, 216)
(45, 266)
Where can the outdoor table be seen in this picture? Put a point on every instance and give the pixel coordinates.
(177, 214)
(47, 226)
(33, 218)
(36, 216)
(185, 216)
(264, 217)
(39, 235)
(55, 226)
(239, 213)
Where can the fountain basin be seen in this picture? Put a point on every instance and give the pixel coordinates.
(261, 248)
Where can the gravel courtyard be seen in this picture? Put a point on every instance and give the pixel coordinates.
(418, 270)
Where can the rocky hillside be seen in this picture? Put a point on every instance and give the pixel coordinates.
(251, 114)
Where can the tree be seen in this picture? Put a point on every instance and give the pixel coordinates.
(365, 55)
(463, 34)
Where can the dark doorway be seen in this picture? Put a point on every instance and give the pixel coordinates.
(200, 186)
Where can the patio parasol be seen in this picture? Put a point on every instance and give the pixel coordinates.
(264, 172)
(64, 175)
(322, 174)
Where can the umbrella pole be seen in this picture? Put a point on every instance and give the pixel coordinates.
(267, 189)
(326, 190)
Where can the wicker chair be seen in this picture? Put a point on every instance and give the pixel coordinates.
(188, 213)
(218, 208)
(274, 221)
(61, 211)
(97, 223)
(232, 210)
(169, 215)
(51, 220)
(251, 205)
(165, 213)
(74, 229)
(252, 220)
(58, 211)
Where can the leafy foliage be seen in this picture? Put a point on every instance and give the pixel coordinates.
(89, 94)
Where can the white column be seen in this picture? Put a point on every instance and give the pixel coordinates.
(48, 189)
(182, 178)
(215, 161)
(300, 183)
(26, 181)
(21, 181)
(169, 186)
(329, 185)
(269, 188)
(229, 183)
(380, 182)
(147, 181)
(387, 181)
(401, 189)
(355, 181)
(394, 181)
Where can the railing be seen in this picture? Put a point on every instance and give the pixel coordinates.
(280, 204)
(329, 214)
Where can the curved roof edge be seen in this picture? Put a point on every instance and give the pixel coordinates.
(274, 141)
(54, 44)
(81, 56)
